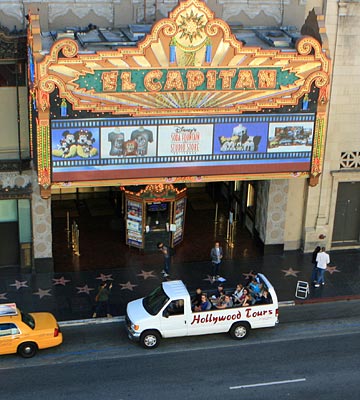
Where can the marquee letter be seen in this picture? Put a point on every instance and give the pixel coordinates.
(226, 76)
(194, 79)
(267, 79)
(109, 80)
(150, 83)
(245, 80)
(211, 80)
(174, 81)
(126, 84)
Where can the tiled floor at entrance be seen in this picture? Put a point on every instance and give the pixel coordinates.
(102, 235)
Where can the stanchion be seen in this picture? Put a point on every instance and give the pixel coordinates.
(230, 234)
(216, 212)
(68, 228)
(75, 238)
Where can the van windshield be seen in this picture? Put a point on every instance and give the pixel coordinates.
(155, 301)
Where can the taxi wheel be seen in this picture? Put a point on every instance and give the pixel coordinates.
(27, 349)
(150, 339)
(239, 331)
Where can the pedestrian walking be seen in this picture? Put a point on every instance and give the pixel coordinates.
(314, 262)
(102, 306)
(322, 259)
(167, 253)
(216, 255)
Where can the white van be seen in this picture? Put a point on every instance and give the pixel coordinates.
(149, 319)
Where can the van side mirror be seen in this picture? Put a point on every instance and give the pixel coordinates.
(166, 314)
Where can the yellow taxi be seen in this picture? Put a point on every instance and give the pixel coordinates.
(25, 333)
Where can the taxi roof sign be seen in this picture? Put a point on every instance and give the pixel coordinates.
(8, 309)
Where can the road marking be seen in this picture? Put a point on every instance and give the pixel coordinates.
(268, 383)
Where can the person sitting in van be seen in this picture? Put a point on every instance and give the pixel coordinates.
(176, 307)
(246, 298)
(205, 304)
(220, 291)
(238, 293)
(196, 299)
(255, 289)
(264, 298)
(225, 303)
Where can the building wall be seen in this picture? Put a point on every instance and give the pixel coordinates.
(277, 203)
(9, 143)
(343, 30)
(42, 229)
(308, 211)
(57, 14)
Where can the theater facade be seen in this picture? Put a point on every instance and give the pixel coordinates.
(191, 101)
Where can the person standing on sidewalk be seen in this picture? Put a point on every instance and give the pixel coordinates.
(314, 262)
(322, 260)
(167, 258)
(102, 306)
(216, 255)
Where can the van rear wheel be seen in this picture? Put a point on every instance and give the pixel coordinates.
(150, 339)
(239, 331)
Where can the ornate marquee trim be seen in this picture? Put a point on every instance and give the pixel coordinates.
(190, 64)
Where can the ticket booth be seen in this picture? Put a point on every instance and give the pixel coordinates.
(154, 213)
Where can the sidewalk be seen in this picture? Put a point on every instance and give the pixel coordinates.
(70, 295)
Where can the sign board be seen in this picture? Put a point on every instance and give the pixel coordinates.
(135, 148)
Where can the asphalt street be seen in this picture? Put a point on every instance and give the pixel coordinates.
(106, 338)
(290, 362)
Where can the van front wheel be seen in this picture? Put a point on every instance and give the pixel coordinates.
(150, 339)
(239, 331)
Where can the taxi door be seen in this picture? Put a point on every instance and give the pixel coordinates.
(9, 338)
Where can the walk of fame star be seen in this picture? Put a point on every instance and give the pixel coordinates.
(147, 274)
(250, 274)
(42, 293)
(128, 285)
(105, 278)
(331, 270)
(19, 284)
(3, 296)
(60, 281)
(210, 279)
(84, 289)
(290, 272)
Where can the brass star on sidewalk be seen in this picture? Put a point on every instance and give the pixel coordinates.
(331, 270)
(250, 274)
(19, 284)
(147, 274)
(42, 293)
(60, 281)
(210, 279)
(290, 272)
(84, 289)
(3, 296)
(128, 285)
(105, 278)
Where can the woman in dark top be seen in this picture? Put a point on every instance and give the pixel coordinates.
(314, 262)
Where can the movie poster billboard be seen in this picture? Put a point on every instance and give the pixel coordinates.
(109, 148)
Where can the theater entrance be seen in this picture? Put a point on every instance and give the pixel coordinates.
(154, 213)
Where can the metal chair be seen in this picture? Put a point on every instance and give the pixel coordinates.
(302, 290)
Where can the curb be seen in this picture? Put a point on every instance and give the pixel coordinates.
(91, 321)
(100, 321)
(328, 299)
(289, 303)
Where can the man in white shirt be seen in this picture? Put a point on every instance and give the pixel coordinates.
(322, 260)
